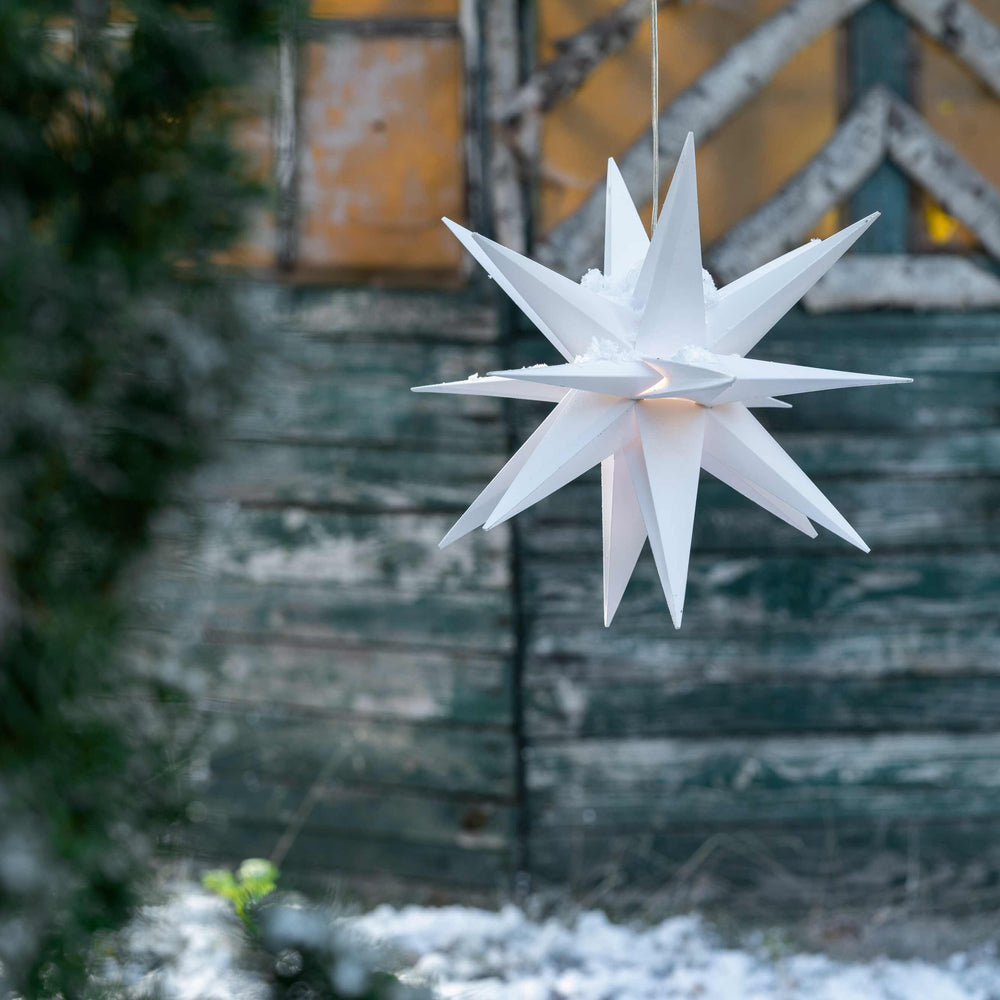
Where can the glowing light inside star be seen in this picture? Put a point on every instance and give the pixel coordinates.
(656, 385)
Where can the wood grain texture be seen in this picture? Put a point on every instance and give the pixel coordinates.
(355, 674)
(823, 729)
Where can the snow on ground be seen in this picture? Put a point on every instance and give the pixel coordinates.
(187, 948)
(481, 955)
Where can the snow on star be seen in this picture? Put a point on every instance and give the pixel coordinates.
(656, 384)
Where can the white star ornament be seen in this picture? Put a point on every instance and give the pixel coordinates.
(655, 384)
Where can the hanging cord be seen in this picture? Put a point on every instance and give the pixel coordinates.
(654, 42)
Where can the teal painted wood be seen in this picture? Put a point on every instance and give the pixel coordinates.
(358, 679)
(878, 52)
(826, 721)
(823, 727)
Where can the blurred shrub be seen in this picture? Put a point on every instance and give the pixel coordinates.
(120, 352)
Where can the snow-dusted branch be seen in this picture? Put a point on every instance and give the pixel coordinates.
(963, 30)
(575, 244)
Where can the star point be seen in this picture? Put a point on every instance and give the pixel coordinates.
(655, 385)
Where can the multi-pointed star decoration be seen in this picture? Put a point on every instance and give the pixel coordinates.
(656, 385)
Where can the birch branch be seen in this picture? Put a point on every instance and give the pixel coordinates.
(286, 144)
(929, 160)
(880, 281)
(473, 131)
(964, 31)
(579, 55)
(502, 56)
(575, 244)
(853, 152)
(880, 125)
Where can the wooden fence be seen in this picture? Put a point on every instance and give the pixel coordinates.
(823, 730)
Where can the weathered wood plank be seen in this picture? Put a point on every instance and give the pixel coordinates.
(863, 282)
(944, 866)
(466, 823)
(886, 341)
(264, 748)
(326, 854)
(574, 245)
(395, 551)
(943, 402)
(353, 478)
(889, 513)
(407, 317)
(727, 592)
(832, 452)
(319, 391)
(646, 651)
(559, 708)
(478, 621)
(625, 784)
(363, 681)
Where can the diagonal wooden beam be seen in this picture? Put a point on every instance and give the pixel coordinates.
(578, 56)
(881, 125)
(852, 153)
(934, 163)
(964, 31)
(902, 281)
(575, 244)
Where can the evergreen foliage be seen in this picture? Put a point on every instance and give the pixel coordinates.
(120, 352)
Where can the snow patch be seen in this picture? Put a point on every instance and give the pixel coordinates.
(621, 290)
(618, 290)
(693, 355)
(465, 952)
(191, 947)
(711, 292)
(607, 349)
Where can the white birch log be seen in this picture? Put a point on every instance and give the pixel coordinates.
(578, 56)
(853, 151)
(880, 281)
(881, 125)
(503, 50)
(576, 243)
(286, 144)
(963, 30)
(933, 163)
(470, 31)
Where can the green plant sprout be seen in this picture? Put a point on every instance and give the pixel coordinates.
(255, 878)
